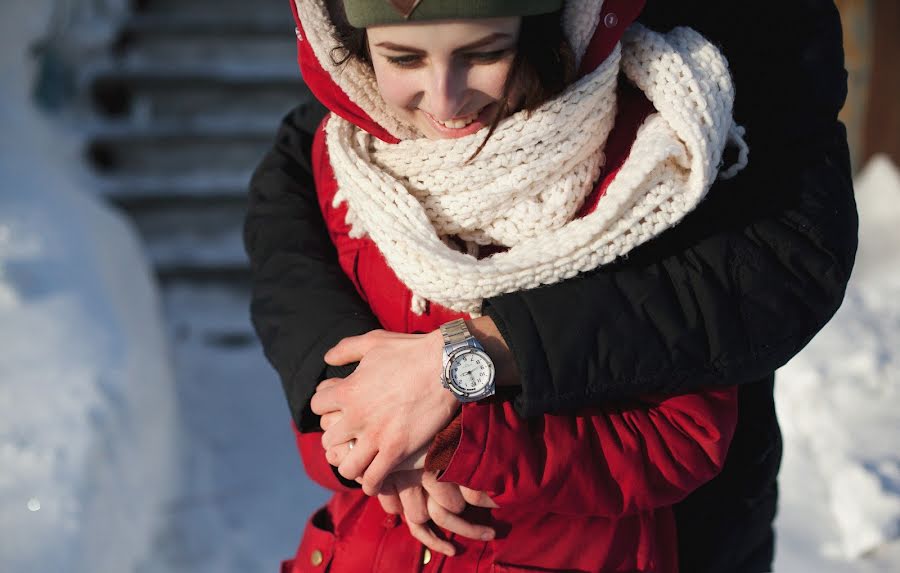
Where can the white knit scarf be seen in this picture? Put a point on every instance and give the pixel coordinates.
(524, 188)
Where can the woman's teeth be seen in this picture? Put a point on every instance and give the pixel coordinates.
(459, 123)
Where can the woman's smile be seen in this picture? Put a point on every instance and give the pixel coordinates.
(463, 125)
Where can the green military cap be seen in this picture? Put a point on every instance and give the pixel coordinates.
(363, 13)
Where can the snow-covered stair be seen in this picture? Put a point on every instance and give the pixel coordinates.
(184, 105)
(180, 108)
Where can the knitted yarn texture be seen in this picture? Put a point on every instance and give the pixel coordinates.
(531, 177)
(525, 186)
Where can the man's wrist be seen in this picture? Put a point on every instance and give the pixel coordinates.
(447, 399)
(505, 367)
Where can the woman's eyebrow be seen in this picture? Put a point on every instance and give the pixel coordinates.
(476, 44)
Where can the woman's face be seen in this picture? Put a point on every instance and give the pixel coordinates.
(445, 78)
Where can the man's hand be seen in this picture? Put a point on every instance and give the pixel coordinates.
(392, 405)
(336, 454)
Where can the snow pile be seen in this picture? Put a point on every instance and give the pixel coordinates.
(838, 399)
(86, 407)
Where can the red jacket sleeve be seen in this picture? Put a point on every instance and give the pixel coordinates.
(313, 455)
(601, 462)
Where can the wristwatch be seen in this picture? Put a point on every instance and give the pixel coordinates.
(468, 371)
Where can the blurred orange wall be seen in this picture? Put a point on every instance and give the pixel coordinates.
(872, 52)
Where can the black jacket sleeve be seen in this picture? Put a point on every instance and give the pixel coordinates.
(302, 302)
(745, 281)
(726, 297)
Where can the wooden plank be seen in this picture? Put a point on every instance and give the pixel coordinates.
(882, 127)
(856, 19)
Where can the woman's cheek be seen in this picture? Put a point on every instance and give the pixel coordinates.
(490, 79)
(397, 88)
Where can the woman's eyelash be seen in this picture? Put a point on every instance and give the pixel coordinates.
(404, 61)
(412, 60)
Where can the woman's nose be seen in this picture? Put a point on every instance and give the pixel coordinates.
(446, 92)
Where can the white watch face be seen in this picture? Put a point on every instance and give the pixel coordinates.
(471, 372)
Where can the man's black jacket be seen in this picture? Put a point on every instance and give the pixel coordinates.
(726, 297)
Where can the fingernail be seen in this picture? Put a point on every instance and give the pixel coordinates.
(487, 535)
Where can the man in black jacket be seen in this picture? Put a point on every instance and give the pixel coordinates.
(726, 297)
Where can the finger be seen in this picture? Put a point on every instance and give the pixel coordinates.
(415, 508)
(390, 503)
(325, 400)
(348, 350)
(336, 455)
(389, 499)
(377, 471)
(477, 498)
(446, 494)
(329, 419)
(403, 479)
(339, 433)
(328, 383)
(427, 537)
(356, 462)
(456, 524)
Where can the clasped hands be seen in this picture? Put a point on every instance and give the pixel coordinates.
(379, 421)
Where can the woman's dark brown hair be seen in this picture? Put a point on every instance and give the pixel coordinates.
(542, 67)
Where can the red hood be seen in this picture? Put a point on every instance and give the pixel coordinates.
(615, 17)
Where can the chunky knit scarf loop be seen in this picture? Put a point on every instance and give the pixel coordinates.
(525, 187)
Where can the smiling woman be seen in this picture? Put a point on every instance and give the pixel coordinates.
(409, 228)
(430, 224)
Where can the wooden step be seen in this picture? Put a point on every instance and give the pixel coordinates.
(173, 150)
(235, 8)
(136, 192)
(204, 236)
(206, 40)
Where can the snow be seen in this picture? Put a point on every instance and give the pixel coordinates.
(242, 497)
(86, 402)
(141, 432)
(837, 403)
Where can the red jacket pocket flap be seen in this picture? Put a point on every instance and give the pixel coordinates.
(316, 548)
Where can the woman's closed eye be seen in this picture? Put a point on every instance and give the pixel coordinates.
(488, 57)
(406, 61)
(415, 60)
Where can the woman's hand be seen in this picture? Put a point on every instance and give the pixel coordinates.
(392, 405)
(423, 501)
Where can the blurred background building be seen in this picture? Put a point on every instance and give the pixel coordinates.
(872, 49)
